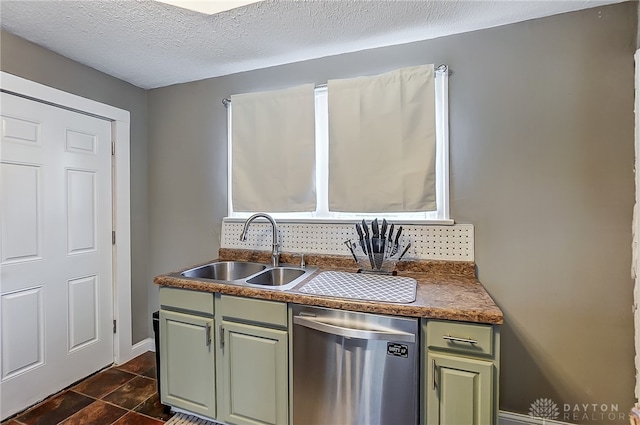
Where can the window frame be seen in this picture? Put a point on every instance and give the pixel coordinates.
(322, 214)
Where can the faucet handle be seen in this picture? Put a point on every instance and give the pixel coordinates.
(302, 262)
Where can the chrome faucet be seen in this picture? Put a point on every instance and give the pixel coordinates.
(275, 250)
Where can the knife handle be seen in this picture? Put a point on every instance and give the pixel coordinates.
(404, 251)
(374, 228)
(398, 235)
(348, 244)
(363, 246)
(370, 252)
(365, 228)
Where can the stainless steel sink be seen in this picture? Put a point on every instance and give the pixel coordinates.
(250, 274)
(277, 276)
(225, 270)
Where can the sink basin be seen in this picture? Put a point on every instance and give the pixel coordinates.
(225, 270)
(258, 275)
(276, 276)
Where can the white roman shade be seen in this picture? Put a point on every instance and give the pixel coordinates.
(273, 151)
(382, 142)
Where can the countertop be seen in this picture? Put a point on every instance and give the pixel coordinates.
(447, 290)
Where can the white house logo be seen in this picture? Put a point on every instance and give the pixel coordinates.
(544, 408)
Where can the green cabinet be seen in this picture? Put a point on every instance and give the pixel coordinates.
(253, 361)
(225, 357)
(254, 375)
(460, 391)
(460, 373)
(187, 370)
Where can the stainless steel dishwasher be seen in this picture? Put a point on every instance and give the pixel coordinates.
(354, 368)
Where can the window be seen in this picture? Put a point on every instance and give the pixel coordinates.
(322, 213)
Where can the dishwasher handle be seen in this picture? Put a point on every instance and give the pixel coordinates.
(368, 334)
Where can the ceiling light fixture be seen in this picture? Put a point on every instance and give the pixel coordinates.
(208, 7)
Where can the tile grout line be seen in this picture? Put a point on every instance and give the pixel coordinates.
(70, 388)
(135, 413)
(145, 400)
(115, 389)
(74, 413)
(137, 405)
(127, 411)
(42, 402)
(135, 375)
(54, 395)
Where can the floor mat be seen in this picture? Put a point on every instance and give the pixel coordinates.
(184, 419)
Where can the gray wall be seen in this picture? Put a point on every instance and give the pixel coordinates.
(542, 153)
(27, 60)
(541, 118)
(545, 172)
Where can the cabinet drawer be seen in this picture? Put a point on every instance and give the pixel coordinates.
(470, 338)
(253, 310)
(183, 299)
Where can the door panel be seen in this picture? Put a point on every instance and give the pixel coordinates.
(81, 142)
(83, 311)
(188, 362)
(254, 375)
(19, 130)
(56, 271)
(21, 212)
(81, 211)
(460, 390)
(23, 347)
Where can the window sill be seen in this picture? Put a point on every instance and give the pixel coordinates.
(449, 222)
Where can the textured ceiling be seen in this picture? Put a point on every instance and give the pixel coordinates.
(151, 44)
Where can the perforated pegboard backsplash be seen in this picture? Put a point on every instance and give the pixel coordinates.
(428, 242)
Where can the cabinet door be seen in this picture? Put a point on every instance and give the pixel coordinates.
(459, 390)
(253, 375)
(187, 362)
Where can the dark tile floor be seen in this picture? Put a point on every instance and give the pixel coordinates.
(119, 395)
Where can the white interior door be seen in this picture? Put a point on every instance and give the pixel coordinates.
(56, 303)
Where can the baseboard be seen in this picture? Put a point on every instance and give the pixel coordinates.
(143, 346)
(512, 418)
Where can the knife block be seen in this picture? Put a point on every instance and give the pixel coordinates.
(387, 266)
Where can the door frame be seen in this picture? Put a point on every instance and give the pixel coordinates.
(635, 261)
(123, 348)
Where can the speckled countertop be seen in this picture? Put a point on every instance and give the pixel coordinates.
(446, 289)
